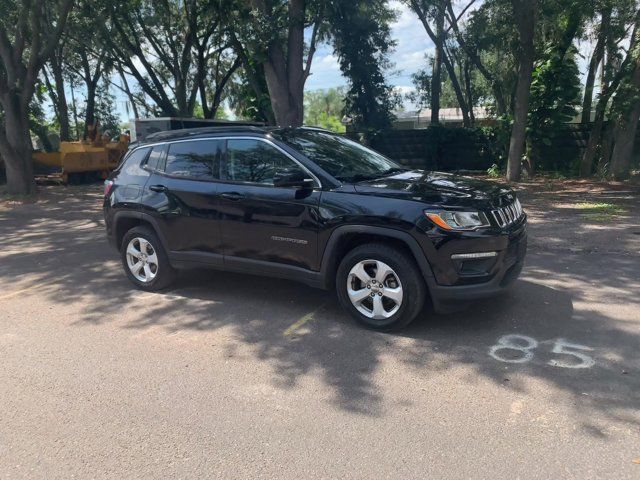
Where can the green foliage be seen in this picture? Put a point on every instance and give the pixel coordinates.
(421, 80)
(421, 96)
(244, 101)
(105, 111)
(323, 108)
(555, 94)
(37, 119)
(494, 171)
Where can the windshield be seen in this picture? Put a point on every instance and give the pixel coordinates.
(344, 159)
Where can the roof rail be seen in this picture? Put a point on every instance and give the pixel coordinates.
(192, 132)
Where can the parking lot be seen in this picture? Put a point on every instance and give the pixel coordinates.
(232, 376)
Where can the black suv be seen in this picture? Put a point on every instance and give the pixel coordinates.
(312, 206)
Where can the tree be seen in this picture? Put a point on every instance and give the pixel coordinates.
(435, 10)
(525, 17)
(613, 76)
(29, 33)
(628, 116)
(555, 88)
(182, 42)
(554, 98)
(603, 31)
(104, 111)
(362, 42)
(487, 44)
(269, 34)
(57, 91)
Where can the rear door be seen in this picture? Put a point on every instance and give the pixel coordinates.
(182, 195)
(258, 220)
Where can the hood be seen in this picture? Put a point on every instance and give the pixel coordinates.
(439, 189)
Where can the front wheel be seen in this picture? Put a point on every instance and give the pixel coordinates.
(380, 286)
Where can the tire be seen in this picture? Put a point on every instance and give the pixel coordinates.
(152, 278)
(401, 272)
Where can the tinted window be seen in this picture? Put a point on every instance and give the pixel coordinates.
(155, 157)
(132, 163)
(345, 159)
(254, 161)
(195, 159)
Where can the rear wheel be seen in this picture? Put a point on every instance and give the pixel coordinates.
(144, 260)
(380, 286)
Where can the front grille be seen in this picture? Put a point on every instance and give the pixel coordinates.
(505, 216)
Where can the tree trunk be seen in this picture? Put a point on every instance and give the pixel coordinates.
(625, 133)
(287, 114)
(132, 99)
(61, 107)
(89, 118)
(496, 84)
(624, 142)
(446, 58)
(586, 163)
(436, 74)
(467, 86)
(15, 148)
(285, 73)
(596, 58)
(74, 109)
(524, 11)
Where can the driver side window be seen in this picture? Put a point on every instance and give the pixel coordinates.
(254, 161)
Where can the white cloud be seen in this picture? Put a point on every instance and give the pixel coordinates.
(329, 62)
(404, 89)
(412, 43)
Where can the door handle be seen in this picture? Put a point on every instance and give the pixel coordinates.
(232, 195)
(158, 188)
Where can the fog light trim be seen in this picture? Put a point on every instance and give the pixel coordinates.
(476, 255)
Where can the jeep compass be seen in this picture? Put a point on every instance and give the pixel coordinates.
(312, 206)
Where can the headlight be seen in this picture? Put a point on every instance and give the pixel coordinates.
(458, 220)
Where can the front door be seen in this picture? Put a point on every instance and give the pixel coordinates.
(260, 221)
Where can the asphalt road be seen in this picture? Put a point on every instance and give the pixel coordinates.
(230, 376)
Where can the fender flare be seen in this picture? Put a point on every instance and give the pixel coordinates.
(142, 218)
(328, 257)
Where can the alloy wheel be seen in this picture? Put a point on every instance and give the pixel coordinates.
(142, 260)
(374, 289)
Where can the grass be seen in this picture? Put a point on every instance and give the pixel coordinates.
(600, 212)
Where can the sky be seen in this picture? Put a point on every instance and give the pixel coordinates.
(408, 56)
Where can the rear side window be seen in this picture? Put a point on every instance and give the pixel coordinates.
(132, 163)
(193, 159)
(155, 157)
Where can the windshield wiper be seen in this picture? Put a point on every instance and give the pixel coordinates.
(363, 177)
(394, 170)
(360, 177)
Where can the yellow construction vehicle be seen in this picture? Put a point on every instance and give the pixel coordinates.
(80, 160)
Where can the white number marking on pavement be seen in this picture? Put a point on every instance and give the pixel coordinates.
(526, 346)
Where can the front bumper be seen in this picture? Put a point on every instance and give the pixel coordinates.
(506, 270)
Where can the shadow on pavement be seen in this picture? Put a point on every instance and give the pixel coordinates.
(59, 244)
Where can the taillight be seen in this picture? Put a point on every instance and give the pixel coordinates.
(108, 186)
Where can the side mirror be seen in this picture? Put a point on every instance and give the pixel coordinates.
(295, 179)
